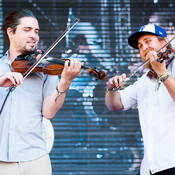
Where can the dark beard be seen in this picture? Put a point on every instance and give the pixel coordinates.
(25, 51)
(25, 54)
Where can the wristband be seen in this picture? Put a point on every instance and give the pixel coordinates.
(59, 93)
(163, 75)
(164, 78)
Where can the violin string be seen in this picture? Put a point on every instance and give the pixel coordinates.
(50, 48)
(132, 73)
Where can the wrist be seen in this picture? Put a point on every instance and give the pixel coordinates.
(63, 85)
(159, 74)
(59, 93)
(164, 76)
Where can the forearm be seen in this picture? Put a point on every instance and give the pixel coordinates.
(54, 102)
(170, 85)
(113, 101)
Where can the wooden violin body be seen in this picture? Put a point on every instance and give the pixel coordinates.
(49, 66)
(45, 67)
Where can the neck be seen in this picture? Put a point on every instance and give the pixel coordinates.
(13, 54)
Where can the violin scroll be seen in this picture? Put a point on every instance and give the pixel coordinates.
(165, 55)
(99, 75)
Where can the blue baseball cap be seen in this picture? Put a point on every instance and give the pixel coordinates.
(146, 29)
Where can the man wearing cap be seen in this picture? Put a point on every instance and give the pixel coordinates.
(155, 100)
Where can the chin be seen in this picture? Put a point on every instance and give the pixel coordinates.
(27, 51)
(31, 49)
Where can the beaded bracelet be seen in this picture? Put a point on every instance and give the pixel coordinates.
(59, 93)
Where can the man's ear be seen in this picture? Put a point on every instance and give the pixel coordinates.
(10, 32)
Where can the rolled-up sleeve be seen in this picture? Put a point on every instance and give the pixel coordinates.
(129, 96)
(50, 84)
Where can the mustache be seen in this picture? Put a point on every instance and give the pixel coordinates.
(31, 41)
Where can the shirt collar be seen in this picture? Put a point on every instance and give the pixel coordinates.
(6, 57)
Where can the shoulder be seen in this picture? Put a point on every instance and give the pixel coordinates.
(4, 58)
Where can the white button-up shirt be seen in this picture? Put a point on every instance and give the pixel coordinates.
(21, 119)
(157, 118)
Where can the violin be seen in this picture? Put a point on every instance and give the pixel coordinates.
(49, 66)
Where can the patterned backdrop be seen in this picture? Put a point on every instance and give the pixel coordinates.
(88, 138)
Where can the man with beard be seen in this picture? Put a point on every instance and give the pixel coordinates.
(155, 100)
(22, 147)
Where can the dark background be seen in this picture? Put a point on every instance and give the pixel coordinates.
(90, 139)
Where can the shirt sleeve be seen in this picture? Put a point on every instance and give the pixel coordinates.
(129, 96)
(172, 68)
(50, 84)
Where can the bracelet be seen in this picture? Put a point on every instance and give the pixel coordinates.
(164, 74)
(110, 89)
(164, 78)
(59, 93)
